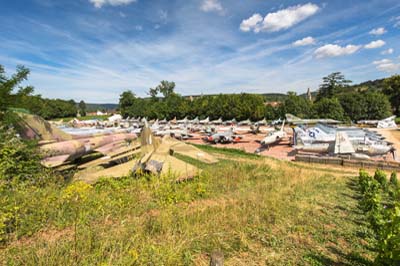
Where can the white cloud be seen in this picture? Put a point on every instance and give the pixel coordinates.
(378, 31)
(100, 3)
(305, 41)
(282, 19)
(333, 50)
(211, 6)
(386, 65)
(388, 51)
(251, 22)
(374, 44)
(139, 27)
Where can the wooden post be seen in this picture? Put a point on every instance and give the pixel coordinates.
(217, 258)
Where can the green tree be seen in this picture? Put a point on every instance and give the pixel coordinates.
(166, 88)
(332, 84)
(329, 108)
(82, 108)
(7, 85)
(126, 102)
(365, 105)
(295, 105)
(392, 89)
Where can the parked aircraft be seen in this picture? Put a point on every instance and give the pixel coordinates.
(67, 151)
(261, 122)
(344, 146)
(245, 123)
(384, 123)
(194, 121)
(274, 136)
(205, 121)
(217, 122)
(321, 133)
(60, 147)
(183, 121)
(291, 119)
(230, 122)
(225, 137)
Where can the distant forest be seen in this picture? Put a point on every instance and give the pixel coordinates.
(336, 99)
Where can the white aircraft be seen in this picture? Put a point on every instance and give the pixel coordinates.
(384, 123)
(183, 121)
(245, 123)
(344, 146)
(274, 136)
(388, 122)
(261, 122)
(205, 121)
(217, 122)
(297, 120)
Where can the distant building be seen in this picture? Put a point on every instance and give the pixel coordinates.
(309, 95)
(273, 104)
(101, 113)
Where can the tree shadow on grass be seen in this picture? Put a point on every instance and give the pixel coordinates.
(352, 258)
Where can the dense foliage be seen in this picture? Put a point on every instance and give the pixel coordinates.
(12, 95)
(380, 202)
(335, 99)
(171, 104)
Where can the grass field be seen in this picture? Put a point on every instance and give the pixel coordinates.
(257, 211)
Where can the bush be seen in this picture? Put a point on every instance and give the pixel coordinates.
(380, 176)
(19, 160)
(382, 209)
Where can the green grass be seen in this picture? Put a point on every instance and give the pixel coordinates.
(257, 214)
(227, 151)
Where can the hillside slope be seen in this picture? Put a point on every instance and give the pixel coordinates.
(258, 211)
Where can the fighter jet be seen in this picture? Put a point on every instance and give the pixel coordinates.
(274, 137)
(261, 122)
(205, 121)
(217, 122)
(230, 122)
(194, 121)
(58, 153)
(245, 123)
(254, 129)
(163, 122)
(344, 146)
(59, 147)
(158, 156)
(182, 121)
(225, 137)
(291, 119)
(176, 133)
(384, 123)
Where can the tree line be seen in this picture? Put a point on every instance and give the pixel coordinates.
(335, 99)
(13, 95)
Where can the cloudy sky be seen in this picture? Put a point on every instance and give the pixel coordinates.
(95, 49)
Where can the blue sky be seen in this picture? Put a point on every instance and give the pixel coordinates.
(95, 49)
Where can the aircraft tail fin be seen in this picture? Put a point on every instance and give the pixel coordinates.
(290, 117)
(283, 126)
(343, 144)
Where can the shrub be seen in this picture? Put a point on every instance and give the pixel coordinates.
(380, 176)
(19, 160)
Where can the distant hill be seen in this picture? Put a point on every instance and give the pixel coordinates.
(93, 107)
(363, 86)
